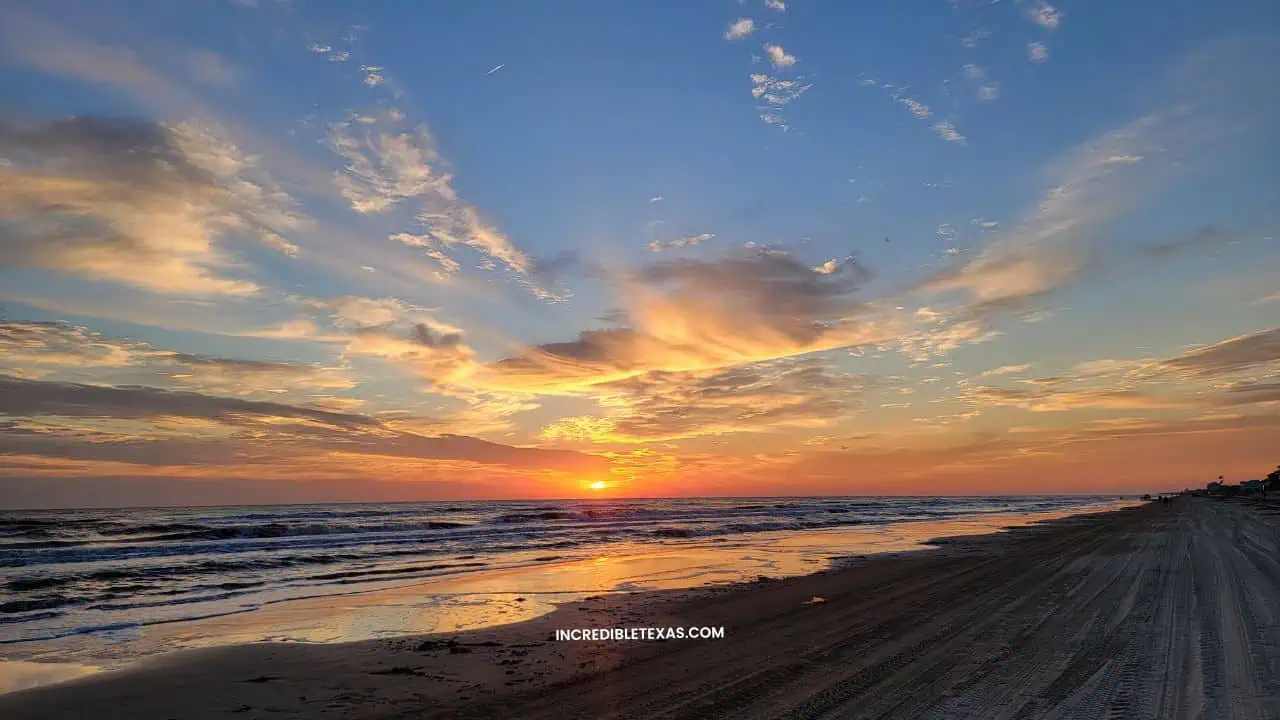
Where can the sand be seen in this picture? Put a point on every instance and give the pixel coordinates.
(1162, 611)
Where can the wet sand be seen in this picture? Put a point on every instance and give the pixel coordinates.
(1162, 611)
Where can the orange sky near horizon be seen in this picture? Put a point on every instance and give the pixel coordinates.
(261, 253)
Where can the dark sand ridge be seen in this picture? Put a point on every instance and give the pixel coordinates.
(1162, 611)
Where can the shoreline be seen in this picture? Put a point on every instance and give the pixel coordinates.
(896, 636)
(492, 596)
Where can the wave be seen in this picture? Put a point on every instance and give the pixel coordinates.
(102, 566)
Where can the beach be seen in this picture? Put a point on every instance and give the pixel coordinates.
(89, 590)
(1164, 610)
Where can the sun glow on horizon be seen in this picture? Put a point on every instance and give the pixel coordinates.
(599, 485)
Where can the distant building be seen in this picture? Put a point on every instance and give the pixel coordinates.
(1250, 487)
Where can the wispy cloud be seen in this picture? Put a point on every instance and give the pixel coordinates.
(149, 202)
(793, 393)
(920, 111)
(917, 108)
(680, 242)
(431, 247)
(1051, 245)
(385, 168)
(1064, 400)
(60, 351)
(777, 5)
(776, 92)
(1037, 52)
(221, 432)
(1206, 238)
(1237, 354)
(1005, 370)
(330, 53)
(948, 132)
(689, 315)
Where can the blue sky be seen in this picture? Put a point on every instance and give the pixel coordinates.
(687, 247)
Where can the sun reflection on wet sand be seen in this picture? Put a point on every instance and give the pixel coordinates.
(20, 675)
(493, 597)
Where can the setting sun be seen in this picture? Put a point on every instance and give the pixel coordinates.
(598, 485)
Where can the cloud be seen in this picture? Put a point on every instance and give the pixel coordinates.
(777, 5)
(758, 397)
(373, 76)
(85, 423)
(1251, 392)
(385, 169)
(680, 242)
(405, 335)
(1006, 370)
(62, 351)
(330, 53)
(431, 248)
(1062, 400)
(917, 108)
(1037, 52)
(827, 268)
(934, 335)
(1046, 16)
(1237, 354)
(778, 56)
(688, 315)
(349, 312)
(442, 359)
(34, 398)
(740, 28)
(455, 223)
(1054, 243)
(137, 203)
(775, 92)
(948, 132)
(921, 111)
(1203, 239)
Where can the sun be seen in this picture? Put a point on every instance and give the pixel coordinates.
(598, 485)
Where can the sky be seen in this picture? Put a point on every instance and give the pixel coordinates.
(264, 251)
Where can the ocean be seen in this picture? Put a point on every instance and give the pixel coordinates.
(75, 572)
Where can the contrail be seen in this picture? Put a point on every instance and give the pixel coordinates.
(496, 69)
